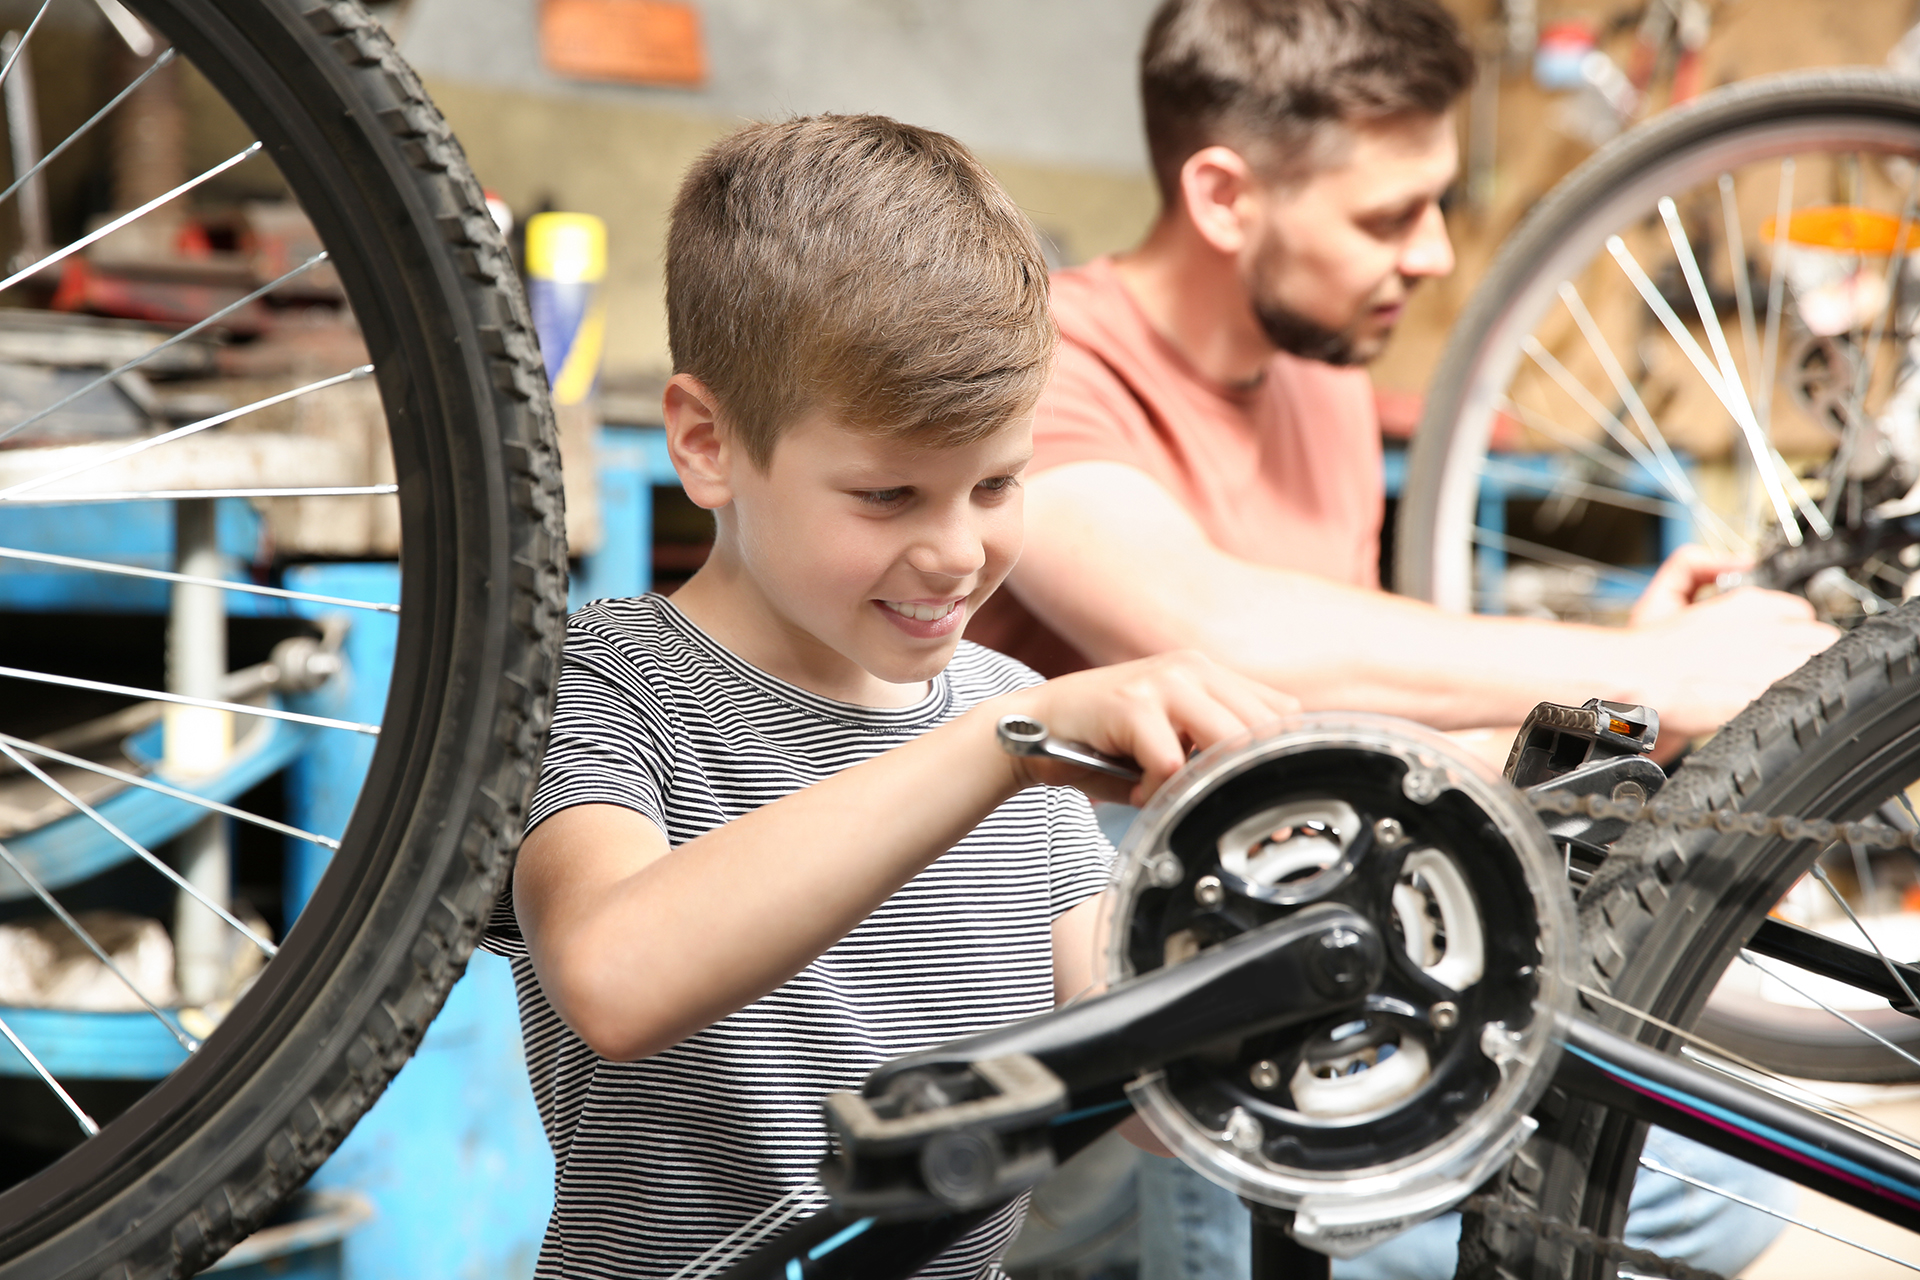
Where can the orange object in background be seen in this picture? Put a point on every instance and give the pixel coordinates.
(634, 41)
(1846, 229)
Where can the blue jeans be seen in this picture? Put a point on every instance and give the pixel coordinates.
(1191, 1229)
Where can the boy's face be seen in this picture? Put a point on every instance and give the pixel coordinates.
(863, 552)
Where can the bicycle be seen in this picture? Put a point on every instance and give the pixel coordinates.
(1350, 983)
(452, 379)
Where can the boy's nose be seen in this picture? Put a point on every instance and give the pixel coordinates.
(949, 549)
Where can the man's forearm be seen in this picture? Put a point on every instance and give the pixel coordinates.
(1347, 648)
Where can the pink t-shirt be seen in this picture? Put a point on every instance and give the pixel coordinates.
(1286, 473)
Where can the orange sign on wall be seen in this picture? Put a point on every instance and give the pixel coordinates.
(635, 41)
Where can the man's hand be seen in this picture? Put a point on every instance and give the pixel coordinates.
(1706, 661)
(1156, 710)
(1678, 582)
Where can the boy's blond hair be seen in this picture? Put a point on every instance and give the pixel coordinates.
(858, 266)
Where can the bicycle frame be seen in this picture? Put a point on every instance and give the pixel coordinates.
(1270, 978)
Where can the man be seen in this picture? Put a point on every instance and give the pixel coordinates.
(1207, 471)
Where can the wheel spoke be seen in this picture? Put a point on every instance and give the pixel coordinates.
(1737, 264)
(182, 336)
(1818, 1003)
(188, 579)
(165, 495)
(1870, 357)
(1736, 388)
(101, 233)
(1776, 296)
(52, 904)
(1519, 477)
(87, 1126)
(1547, 555)
(33, 171)
(135, 847)
(20, 46)
(167, 437)
(1611, 424)
(1649, 1163)
(1768, 462)
(1893, 970)
(211, 704)
(1565, 437)
(135, 780)
(1677, 482)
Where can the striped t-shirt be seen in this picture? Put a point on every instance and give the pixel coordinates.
(715, 1141)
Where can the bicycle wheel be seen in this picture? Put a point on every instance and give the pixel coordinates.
(209, 1151)
(1671, 912)
(1706, 331)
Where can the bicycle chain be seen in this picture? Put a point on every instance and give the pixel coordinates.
(1640, 1261)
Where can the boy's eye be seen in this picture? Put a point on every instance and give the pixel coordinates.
(999, 484)
(881, 497)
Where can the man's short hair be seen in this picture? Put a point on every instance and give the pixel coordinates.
(858, 266)
(1277, 79)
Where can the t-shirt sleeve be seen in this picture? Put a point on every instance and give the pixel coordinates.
(605, 747)
(1079, 859)
(608, 736)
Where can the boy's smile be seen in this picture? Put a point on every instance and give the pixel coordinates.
(850, 565)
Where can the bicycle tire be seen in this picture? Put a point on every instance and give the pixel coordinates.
(208, 1154)
(1669, 910)
(1431, 552)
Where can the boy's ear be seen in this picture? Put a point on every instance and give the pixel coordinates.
(701, 447)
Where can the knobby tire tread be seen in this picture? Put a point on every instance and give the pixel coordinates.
(202, 1194)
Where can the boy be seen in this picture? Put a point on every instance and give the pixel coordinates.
(775, 843)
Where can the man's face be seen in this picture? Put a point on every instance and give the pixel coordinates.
(873, 552)
(1332, 260)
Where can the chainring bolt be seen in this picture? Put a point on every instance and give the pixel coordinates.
(1389, 834)
(1264, 1075)
(1423, 786)
(1243, 1132)
(1444, 1015)
(1208, 891)
(1629, 791)
(1165, 871)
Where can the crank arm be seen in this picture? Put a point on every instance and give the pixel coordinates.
(1307, 965)
(1004, 1100)
(1747, 1123)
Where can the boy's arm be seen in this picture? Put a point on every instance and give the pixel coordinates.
(639, 945)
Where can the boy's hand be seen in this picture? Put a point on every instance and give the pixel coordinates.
(1157, 711)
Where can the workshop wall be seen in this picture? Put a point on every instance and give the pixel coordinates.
(1044, 93)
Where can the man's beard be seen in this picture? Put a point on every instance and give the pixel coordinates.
(1296, 335)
